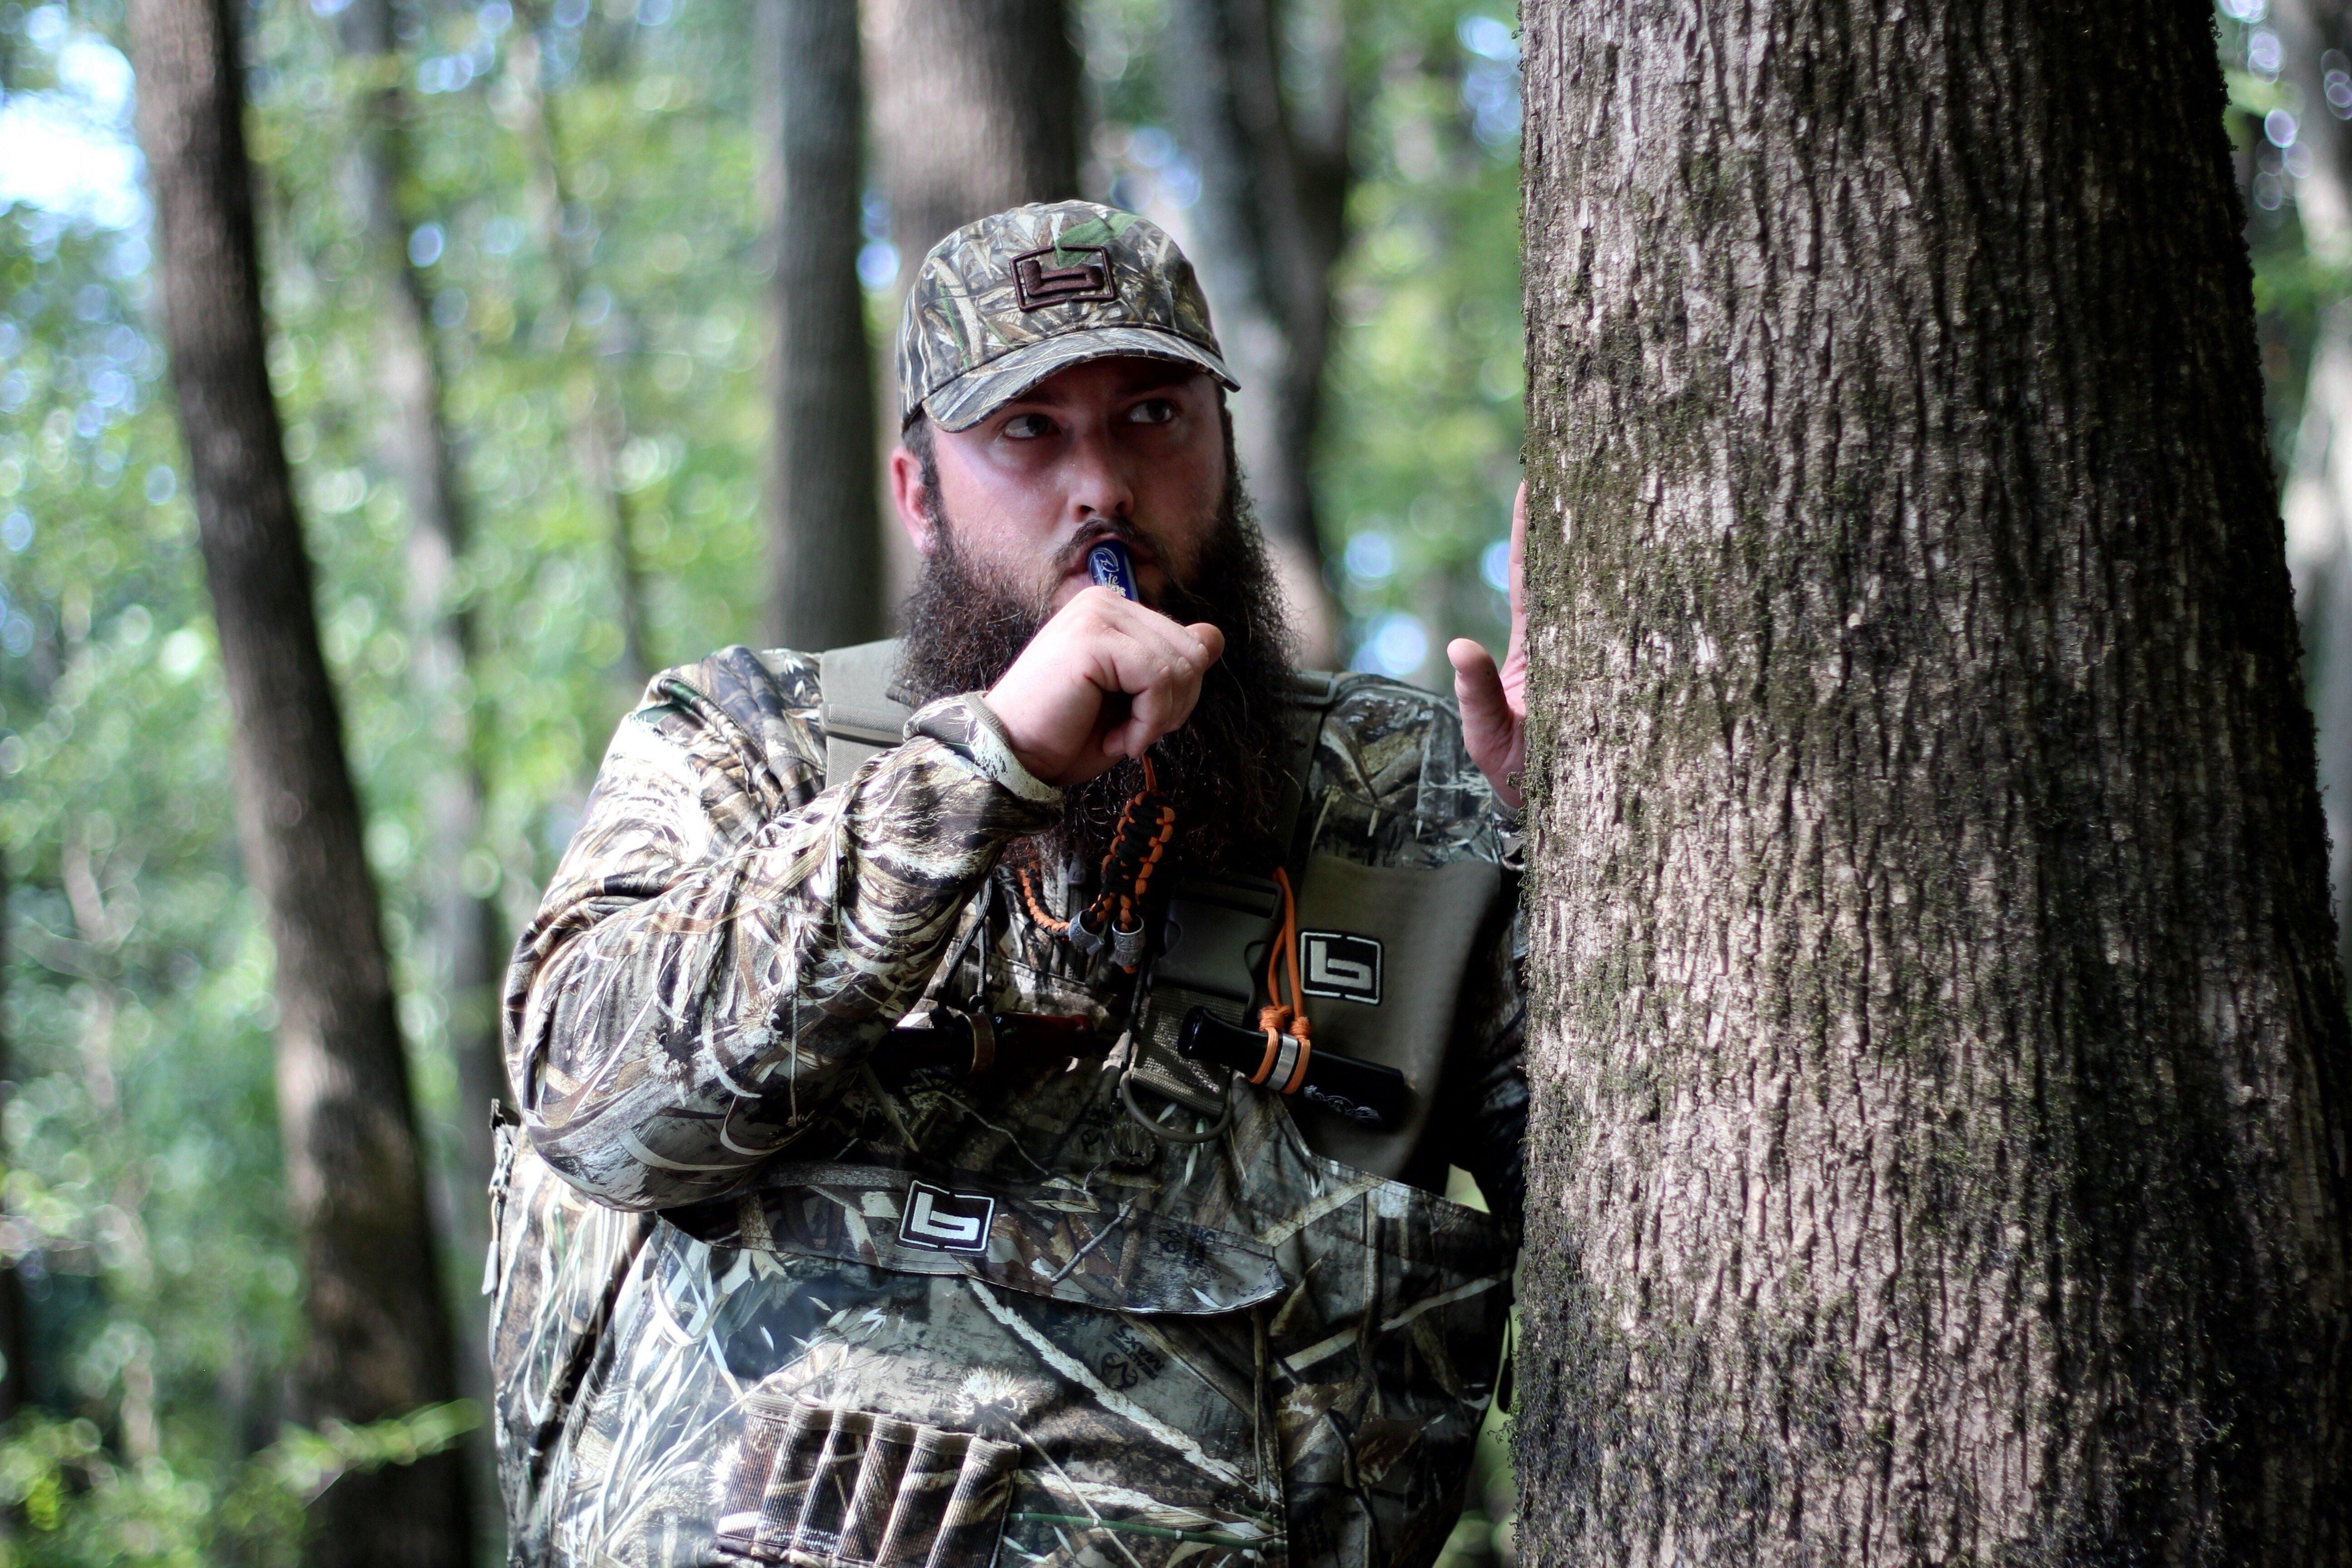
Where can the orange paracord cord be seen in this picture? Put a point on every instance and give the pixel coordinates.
(1147, 826)
(1274, 1019)
(1037, 910)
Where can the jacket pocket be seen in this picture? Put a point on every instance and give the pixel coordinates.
(847, 1488)
(1383, 951)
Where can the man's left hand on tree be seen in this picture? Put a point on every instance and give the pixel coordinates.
(1495, 698)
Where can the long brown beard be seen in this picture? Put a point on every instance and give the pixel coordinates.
(1222, 769)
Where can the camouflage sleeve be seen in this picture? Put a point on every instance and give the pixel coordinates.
(722, 943)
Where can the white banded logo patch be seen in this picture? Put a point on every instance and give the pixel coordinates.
(938, 1221)
(1335, 964)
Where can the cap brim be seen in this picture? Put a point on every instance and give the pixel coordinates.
(977, 393)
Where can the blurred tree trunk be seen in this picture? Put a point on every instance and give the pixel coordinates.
(465, 925)
(975, 110)
(15, 1341)
(1271, 220)
(2318, 500)
(825, 531)
(599, 422)
(1940, 1061)
(100, 932)
(379, 1340)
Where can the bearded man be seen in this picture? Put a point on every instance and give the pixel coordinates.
(899, 1177)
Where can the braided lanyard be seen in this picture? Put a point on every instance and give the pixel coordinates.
(1147, 825)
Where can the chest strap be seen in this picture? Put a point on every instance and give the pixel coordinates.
(861, 716)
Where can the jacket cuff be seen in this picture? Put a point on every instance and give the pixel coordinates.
(966, 726)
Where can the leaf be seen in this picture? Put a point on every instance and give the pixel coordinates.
(1094, 232)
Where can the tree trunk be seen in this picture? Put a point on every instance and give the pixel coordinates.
(100, 934)
(825, 530)
(466, 930)
(975, 110)
(1271, 222)
(2318, 500)
(15, 1341)
(1940, 1057)
(379, 1337)
(600, 427)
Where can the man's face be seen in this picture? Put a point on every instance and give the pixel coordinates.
(1128, 447)
(1138, 448)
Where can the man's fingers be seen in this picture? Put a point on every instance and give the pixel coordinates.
(1489, 729)
(1158, 708)
(1103, 680)
(1158, 666)
(1478, 688)
(1193, 647)
(1162, 704)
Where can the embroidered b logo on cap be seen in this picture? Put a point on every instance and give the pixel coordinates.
(1061, 275)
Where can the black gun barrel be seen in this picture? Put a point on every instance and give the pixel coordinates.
(1363, 1091)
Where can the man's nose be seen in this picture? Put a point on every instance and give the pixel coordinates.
(1097, 483)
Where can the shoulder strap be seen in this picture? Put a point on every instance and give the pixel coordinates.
(861, 716)
(1311, 694)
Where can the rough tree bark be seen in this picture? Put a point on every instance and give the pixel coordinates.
(466, 930)
(2318, 500)
(1271, 223)
(1940, 1057)
(825, 531)
(378, 1339)
(975, 110)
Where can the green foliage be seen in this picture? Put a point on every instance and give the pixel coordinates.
(2291, 287)
(143, 1160)
(68, 1503)
(1430, 342)
(1419, 453)
(138, 1152)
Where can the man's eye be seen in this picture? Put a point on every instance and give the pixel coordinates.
(1152, 411)
(1027, 427)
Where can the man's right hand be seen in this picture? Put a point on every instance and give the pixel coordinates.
(1060, 702)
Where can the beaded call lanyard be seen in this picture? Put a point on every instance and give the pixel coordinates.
(1147, 825)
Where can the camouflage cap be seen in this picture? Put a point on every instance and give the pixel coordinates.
(1001, 304)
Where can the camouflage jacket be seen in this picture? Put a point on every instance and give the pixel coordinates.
(719, 1333)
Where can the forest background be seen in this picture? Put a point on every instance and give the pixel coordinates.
(595, 233)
